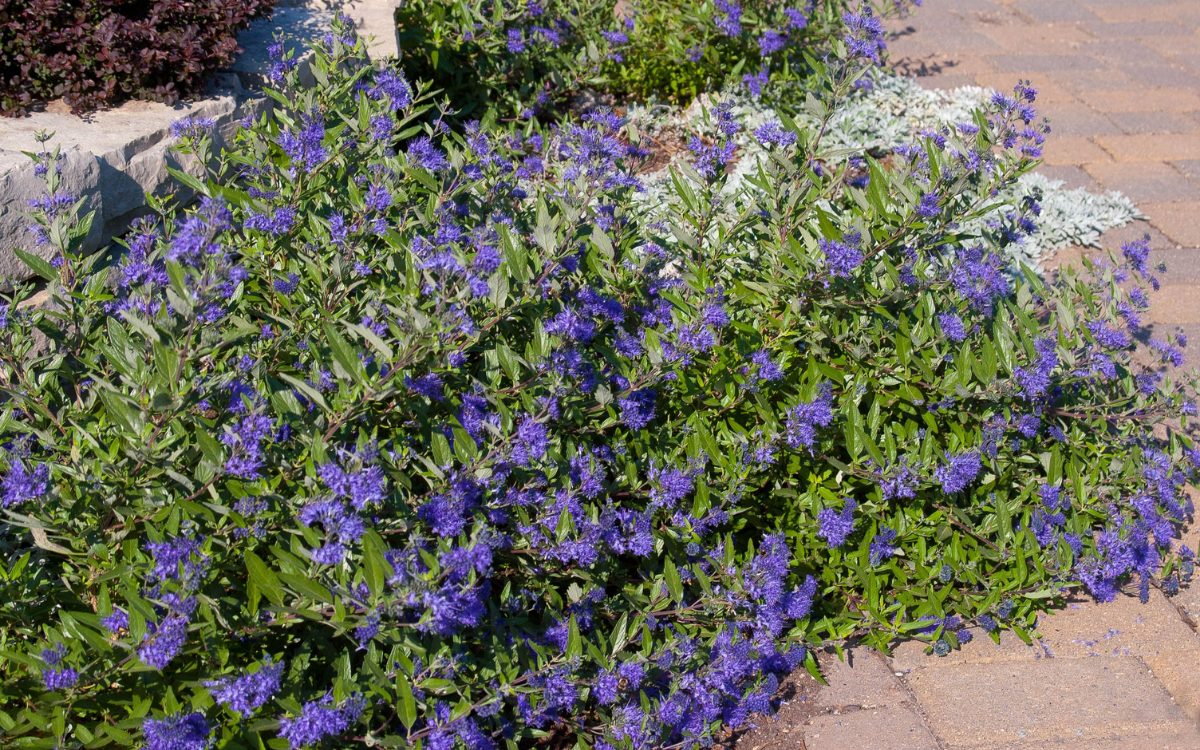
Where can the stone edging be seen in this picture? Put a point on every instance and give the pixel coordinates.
(114, 157)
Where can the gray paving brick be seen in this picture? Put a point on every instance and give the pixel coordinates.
(950, 41)
(1104, 79)
(1136, 230)
(1190, 61)
(1071, 118)
(1134, 29)
(1139, 99)
(1056, 11)
(1183, 267)
(1025, 63)
(1190, 167)
(1153, 122)
(1162, 75)
(1127, 51)
(1148, 181)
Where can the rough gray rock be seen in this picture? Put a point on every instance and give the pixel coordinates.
(114, 157)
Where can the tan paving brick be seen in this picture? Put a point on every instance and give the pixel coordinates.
(1157, 147)
(864, 680)
(1177, 670)
(1176, 304)
(1165, 99)
(1179, 220)
(1122, 627)
(1082, 629)
(885, 729)
(1184, 740)
(1073, 149)
(909, 657)
(1051, 700)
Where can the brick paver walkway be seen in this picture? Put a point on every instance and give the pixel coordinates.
(1120, 80)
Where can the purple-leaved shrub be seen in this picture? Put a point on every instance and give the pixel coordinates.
(404, 436)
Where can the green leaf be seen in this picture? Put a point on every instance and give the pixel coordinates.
(406, 709)
(344, 354)
(377, 566)
(198, 187)
(307, 587)
(312, 394)
(36, 264)
(262, 577)
(810, 663)
(574, 641)
(674, 584)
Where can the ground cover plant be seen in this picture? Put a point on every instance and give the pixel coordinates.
(521, 58)
(98, 53)
(877, 120)
(409, 437)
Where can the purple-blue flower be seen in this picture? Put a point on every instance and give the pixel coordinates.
(842, 257)
(319, 719)
(774, 134)
(729, 18)
(424, 154)
(21, 485)
(835, 527)
(304, 147)
(177, 732)
(952, 327)
(637, 409)
(191, 127)
(882, 547)
(249, 690)
(958, 472)
(771, 41)
(164, 640)
(804, 418)
(864, 33)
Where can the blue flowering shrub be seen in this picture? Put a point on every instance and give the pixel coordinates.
(675, 50)
(451, 445)
(528, 58)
